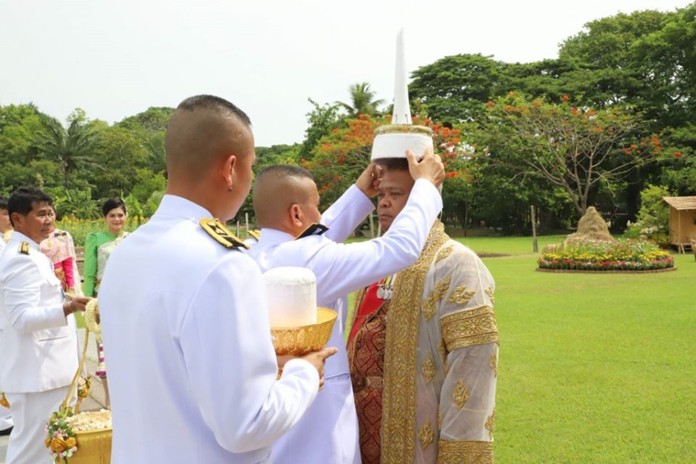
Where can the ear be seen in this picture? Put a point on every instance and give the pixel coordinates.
(228, 172)
(296, 215)
(16, 219)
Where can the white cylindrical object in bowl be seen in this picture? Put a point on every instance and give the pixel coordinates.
(292, 296)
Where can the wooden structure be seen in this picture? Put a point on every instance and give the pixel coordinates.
(682, 221)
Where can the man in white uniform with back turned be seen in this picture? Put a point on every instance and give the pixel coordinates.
(192, 370)
(286, 203)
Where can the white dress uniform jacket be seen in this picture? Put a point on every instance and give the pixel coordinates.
(38, 345)
(329, 433)
(192, 370)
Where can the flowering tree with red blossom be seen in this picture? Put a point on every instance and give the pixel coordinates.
(578, 149)
(339, 157)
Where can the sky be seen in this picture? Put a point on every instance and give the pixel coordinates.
(115, 59)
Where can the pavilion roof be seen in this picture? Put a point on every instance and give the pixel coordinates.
(681, 203)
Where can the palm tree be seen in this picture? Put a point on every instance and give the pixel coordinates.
(362, 100)
(71, 148)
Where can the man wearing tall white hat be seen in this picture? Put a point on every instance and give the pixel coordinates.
(424, 343)
(294, 233)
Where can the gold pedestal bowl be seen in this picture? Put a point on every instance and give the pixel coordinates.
(298, 341)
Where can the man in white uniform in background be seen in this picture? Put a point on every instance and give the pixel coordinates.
(38, 336)
(192, 370)
(5, 228)
(286, 203)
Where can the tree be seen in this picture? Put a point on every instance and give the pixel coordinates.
(342, 155)
(322, 120)
(577, 149)
(18, 151)
(454, 88)
(72, 148)
(362, 101)
(150, 128)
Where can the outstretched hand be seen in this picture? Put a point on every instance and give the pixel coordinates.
(315, 358)
(369, 179)
(430, 167)
(74, 304)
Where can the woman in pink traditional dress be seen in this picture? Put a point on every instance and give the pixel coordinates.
(60, 248)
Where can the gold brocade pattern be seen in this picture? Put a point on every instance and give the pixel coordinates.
(444, 253)
(491, 294)
(461, 295)
(426, 435)
(430, 303)
(441, 288)
(494, 363)
(428, 307)
(490, 424)
(428, 369)
(460, 394)
(464, 452)
(399, 395)
(470, 327)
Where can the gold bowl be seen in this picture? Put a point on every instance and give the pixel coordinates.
(298, 341)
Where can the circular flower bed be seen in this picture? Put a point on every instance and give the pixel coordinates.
(622, 255)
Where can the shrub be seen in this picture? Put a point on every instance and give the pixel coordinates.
(622, 255)
(653, 218)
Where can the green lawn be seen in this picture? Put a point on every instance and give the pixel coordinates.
(594, 368)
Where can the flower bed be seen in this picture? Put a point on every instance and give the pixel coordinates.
(622, 255)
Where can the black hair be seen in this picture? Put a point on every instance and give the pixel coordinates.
(22, 200)
(112, 203)
(212, 102)
(3, 203)
(392, 164)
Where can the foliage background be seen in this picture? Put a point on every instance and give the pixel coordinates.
(613, 114)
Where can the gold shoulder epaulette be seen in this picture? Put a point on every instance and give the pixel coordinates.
(255, 234)
(24, 248)
(221, 234)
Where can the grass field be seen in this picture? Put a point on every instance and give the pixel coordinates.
(594, 368)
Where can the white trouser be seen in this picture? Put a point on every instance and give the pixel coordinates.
(30, 413)
(5, 419)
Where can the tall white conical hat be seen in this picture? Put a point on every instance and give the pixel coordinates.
(392, 141)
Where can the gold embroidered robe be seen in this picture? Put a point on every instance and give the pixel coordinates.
(441, 356)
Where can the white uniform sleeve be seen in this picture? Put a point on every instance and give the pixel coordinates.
(342, 268)
(22, 296)
(231, 364)
(346, 214)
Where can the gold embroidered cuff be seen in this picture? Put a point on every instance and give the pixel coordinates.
(471, 327)
(464, 452)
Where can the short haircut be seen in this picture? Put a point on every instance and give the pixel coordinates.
(3, 203)
(211, 102)
(112, 203)
(282, 171)
(392, 164)
(22, 200)
(275, 189)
